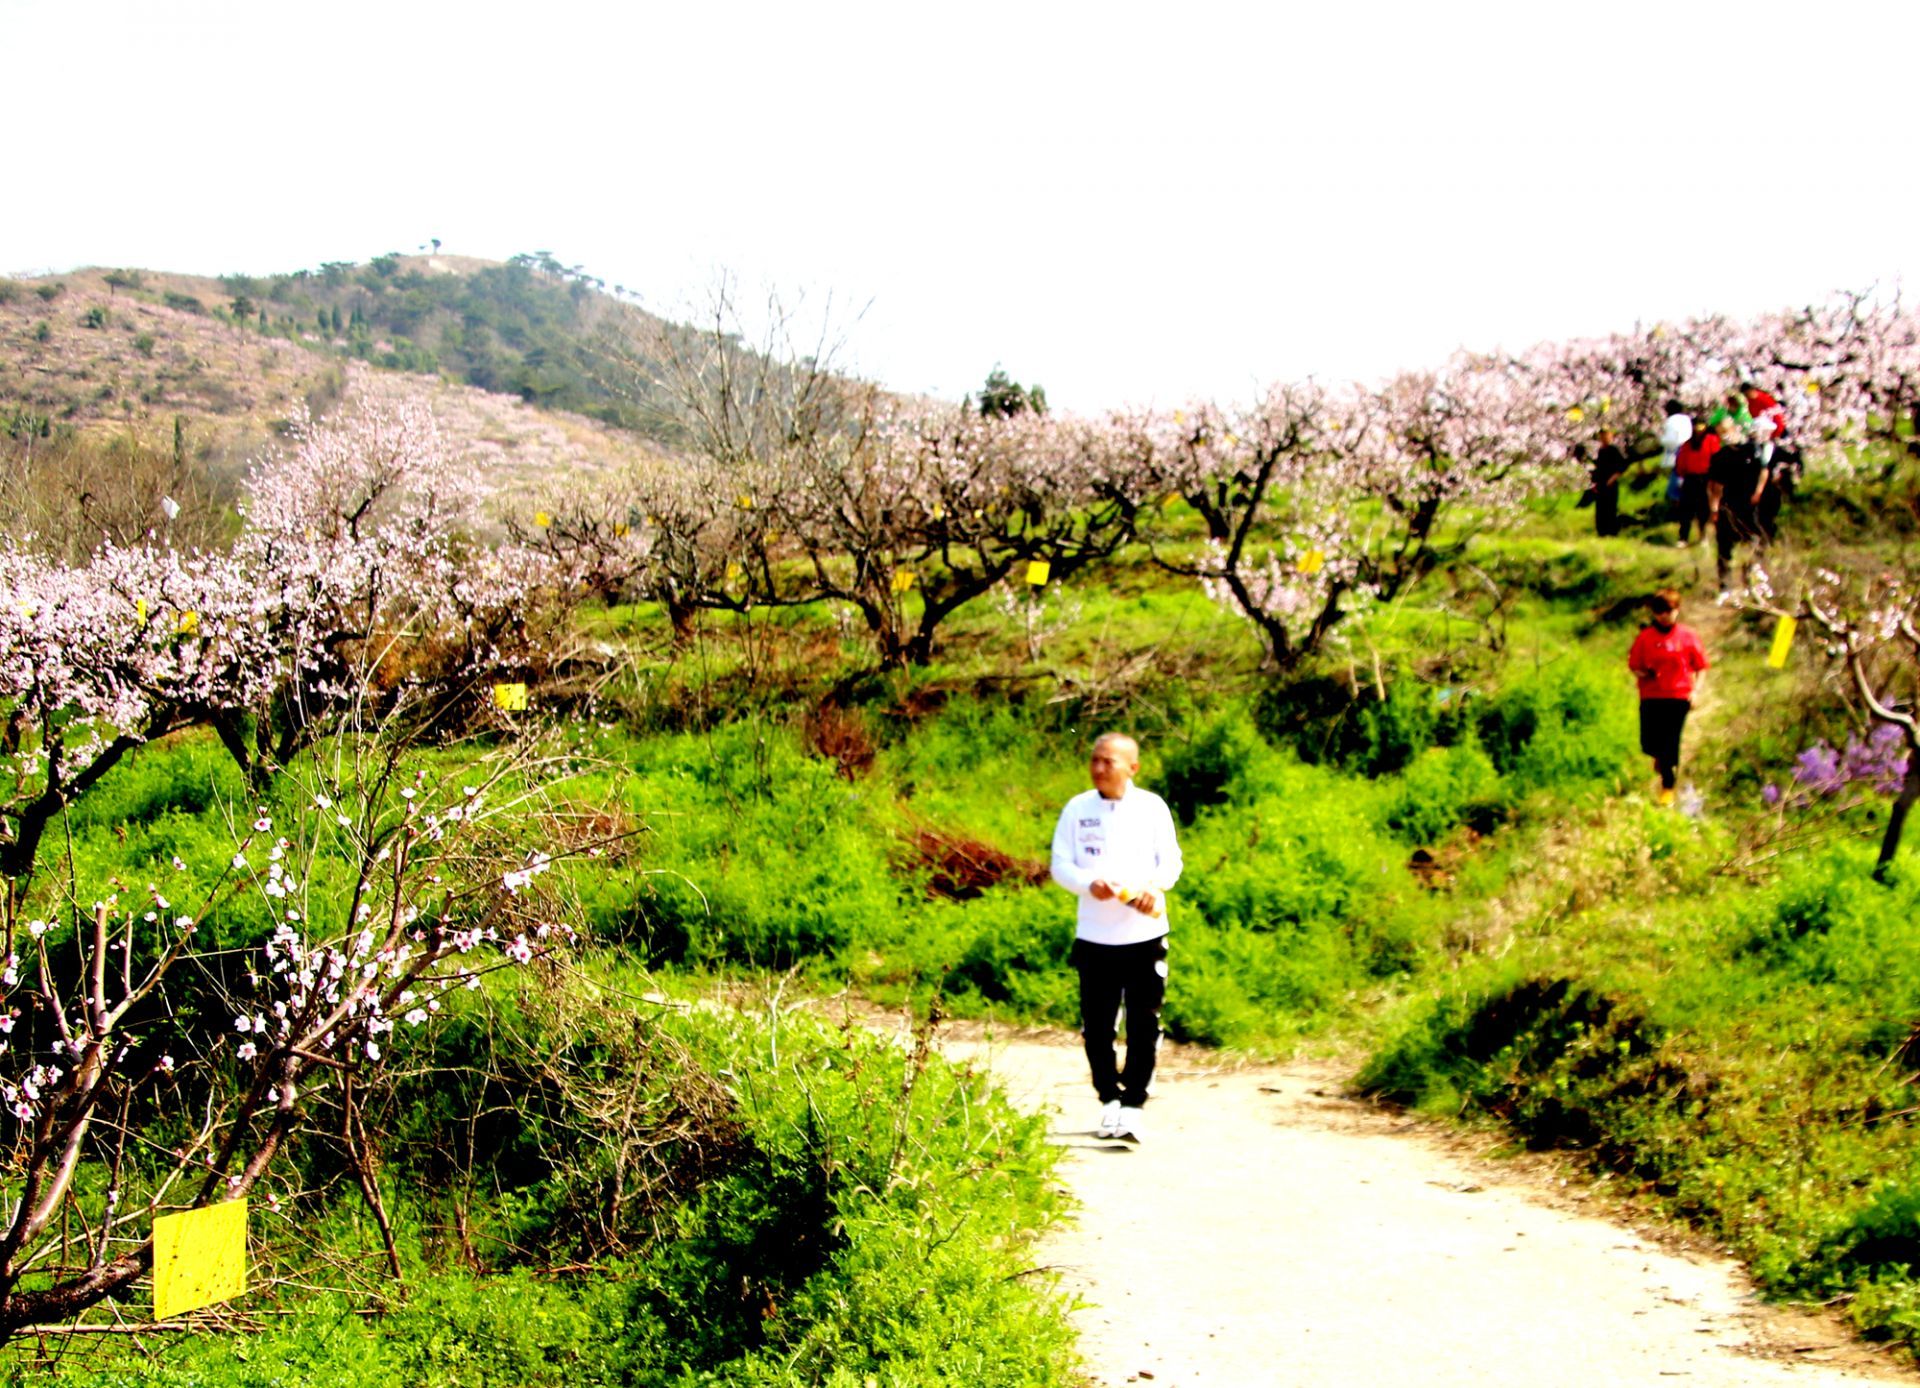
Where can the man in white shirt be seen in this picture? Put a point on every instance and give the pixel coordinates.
(1674, 431)
(1114, 849)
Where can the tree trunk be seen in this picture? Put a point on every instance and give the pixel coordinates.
(1897, 816)
(680, 615)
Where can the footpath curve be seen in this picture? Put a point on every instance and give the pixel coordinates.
(1270, 1233)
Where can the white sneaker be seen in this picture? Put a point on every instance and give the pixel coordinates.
(1109, 1120)
(1130, 1126)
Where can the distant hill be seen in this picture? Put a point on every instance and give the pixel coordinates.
(522, 328)
(502, 352)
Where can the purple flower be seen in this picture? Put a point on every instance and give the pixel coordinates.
(1770, 793)
(1818, 769)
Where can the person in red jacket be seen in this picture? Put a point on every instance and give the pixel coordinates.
(1665, 658)
(1691, 465)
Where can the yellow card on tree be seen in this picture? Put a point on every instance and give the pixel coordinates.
(902, 580)
(1037, 571)
(1782, 643)
(511, 697)
(199, 1258)
(542, 519)
(1312, 562)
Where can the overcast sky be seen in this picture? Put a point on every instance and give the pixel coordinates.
(1127, 204)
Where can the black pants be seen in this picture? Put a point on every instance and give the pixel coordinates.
(1109, 976)
(1693, 504)
(1606, 510)
(1661, 721)
(1738, 524)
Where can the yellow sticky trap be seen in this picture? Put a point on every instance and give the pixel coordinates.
(189, 623)
(140, 610)
(542, 519)
(619, 532)
(902, 580)
(744, 502)
(511, 697)
(1782, 643)
(1576, 414)
(199, 1258)
(1813, 387)
(1037, 571)
(1312, 562)
(939, 512)
(1606, 403)
(734, 571)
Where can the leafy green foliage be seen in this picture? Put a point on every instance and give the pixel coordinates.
(823, 1250)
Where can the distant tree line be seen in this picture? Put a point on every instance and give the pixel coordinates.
(525, 328)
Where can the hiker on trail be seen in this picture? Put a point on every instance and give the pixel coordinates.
(1609, 466)
(1733, 407)
(1114, 849)
(1769, 420)
(1674, 431)
(1691, 466)
(1737, 484)
(1665, 658)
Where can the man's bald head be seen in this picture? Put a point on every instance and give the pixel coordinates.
(1113, 763)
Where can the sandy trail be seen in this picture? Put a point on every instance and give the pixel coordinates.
(1269, 1232)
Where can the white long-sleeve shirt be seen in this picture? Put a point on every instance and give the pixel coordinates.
(1130, 844)
(1677, 429)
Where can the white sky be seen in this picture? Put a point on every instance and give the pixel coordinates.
(1126, 203)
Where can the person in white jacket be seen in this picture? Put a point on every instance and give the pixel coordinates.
(1114, 848)
(1675, 431)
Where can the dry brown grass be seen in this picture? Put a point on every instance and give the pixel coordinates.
(237, 387)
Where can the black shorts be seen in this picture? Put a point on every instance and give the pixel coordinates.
(1660, 723)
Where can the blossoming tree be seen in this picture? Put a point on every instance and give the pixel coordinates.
(115, 1010)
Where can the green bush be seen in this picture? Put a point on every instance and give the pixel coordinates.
(1566, 727)
(1444, 787)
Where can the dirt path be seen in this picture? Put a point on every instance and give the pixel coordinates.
(1269, 1232)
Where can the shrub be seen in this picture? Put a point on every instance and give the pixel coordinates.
(1555, 1058)
(1565, 727)
(1445, 787)
(1326, 719)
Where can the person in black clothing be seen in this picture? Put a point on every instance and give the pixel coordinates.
(1737, 483)
(1609, 466)
(1787, 467)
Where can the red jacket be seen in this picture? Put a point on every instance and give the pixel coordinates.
(1694, 459)
(1666, 661)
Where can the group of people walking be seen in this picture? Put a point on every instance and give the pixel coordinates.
(1729, 470)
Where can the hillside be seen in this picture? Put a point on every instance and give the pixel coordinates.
(111, 352)
(530, 328)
